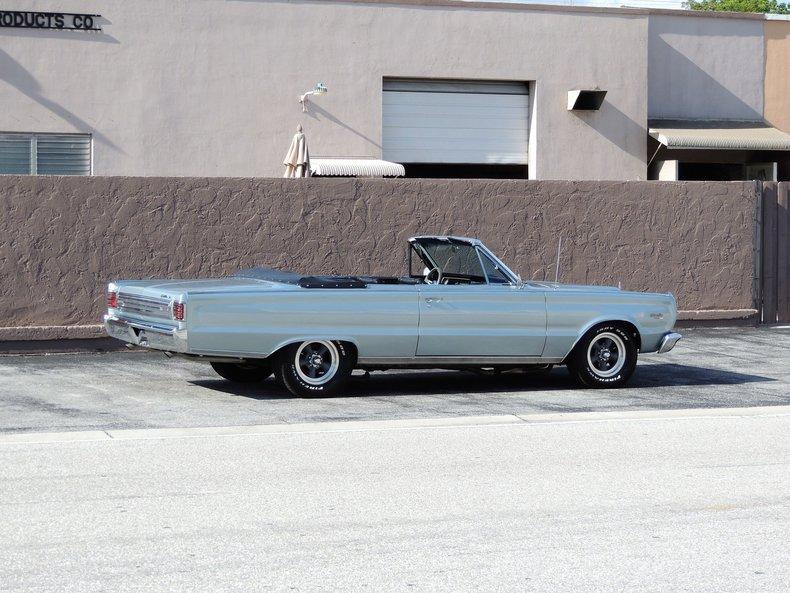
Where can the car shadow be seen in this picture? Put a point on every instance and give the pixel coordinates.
(439, 382)
(266, 390)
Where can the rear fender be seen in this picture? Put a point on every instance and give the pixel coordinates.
(305, 338)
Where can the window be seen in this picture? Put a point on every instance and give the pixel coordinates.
(45, 154)
(457, 260)
(452, 258)
(493, 273)
(456, 171)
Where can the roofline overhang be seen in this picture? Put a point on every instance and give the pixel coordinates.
(527, 7)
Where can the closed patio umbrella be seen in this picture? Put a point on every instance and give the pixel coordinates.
(297, 159)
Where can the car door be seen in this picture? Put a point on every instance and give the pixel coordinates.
(489, 319)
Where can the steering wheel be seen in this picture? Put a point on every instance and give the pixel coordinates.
(434, 276)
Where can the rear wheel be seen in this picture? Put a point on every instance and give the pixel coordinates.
(315, 368)
(604, 357)
(243, 372)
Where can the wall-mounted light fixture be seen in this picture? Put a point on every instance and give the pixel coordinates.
(580, 100)
(318, 89)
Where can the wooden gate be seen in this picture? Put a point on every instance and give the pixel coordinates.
(775, 253)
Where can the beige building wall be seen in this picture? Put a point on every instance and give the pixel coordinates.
(705, 67)
(210, 87)
(777, 74)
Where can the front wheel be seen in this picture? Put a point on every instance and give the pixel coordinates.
(315, 369)
(241, 372)
(604, 357)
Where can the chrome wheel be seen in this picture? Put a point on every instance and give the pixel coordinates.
(606, 354)
(317, 363)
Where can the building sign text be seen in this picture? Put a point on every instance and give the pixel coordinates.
(50, 20)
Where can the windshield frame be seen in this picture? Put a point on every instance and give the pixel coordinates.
(480, 249)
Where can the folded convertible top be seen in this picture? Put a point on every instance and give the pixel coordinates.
(273, 275)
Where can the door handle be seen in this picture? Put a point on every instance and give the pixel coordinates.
(430, 300)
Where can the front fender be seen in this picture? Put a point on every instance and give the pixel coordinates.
(571, 315)
(605, 319)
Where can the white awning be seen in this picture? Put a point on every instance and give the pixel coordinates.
(340, 167)
(719, 135)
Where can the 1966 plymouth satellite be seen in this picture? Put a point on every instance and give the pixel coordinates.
(465, 310)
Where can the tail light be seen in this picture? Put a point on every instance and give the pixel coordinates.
(179, 311)
(112, 299)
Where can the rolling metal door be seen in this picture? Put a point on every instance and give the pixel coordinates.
(455, 122)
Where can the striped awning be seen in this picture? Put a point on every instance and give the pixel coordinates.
(719, 135)
(345, 167)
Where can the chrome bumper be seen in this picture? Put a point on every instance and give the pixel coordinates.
(668, 342)
(146, 335)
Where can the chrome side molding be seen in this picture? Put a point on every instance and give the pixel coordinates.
(461, 360)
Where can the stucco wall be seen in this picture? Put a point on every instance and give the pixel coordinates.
(777, 74)
(705, 68)
(210, 87)
(62, 239)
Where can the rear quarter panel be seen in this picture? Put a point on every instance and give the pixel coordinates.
(379, 320)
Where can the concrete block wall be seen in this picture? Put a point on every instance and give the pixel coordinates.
(63, 238)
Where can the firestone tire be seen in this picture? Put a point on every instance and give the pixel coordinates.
(605, 357)
(316, 368)
(243, 372)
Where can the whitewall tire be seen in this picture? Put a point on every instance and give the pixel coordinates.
(315, 368)
(605, 357)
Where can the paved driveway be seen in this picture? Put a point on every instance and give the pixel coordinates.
(467, 483)
(734, 367)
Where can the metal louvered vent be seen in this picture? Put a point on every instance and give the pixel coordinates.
(14, 155)
(45, 154)
(63, 155)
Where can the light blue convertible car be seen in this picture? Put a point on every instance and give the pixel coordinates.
(459, 307)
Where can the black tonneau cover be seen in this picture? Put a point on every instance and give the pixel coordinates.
(299, 280)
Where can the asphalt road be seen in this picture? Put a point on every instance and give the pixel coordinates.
(733, 367)
(637, 502)
(130, 472)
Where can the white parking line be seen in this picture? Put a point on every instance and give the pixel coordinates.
(383, 425)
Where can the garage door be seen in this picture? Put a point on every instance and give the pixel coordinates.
(455, 122)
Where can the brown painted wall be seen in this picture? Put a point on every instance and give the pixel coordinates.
(62, 239)
(777, 80)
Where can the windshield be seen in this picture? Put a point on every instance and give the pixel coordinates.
(456, 260)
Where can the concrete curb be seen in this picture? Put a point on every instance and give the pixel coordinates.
(51, 332)
(717, 314)
(384, 425)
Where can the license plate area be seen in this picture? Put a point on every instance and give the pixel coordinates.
(122, 332)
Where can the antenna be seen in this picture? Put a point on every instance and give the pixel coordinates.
(557, 269)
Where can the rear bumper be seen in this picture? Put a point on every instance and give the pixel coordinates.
(147, 335)
(668, 342)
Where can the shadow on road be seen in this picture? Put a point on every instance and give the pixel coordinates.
(410, 382)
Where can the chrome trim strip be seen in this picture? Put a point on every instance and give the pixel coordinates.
(478, 252)
(145, 306)
(668, 342)
(427, 360)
